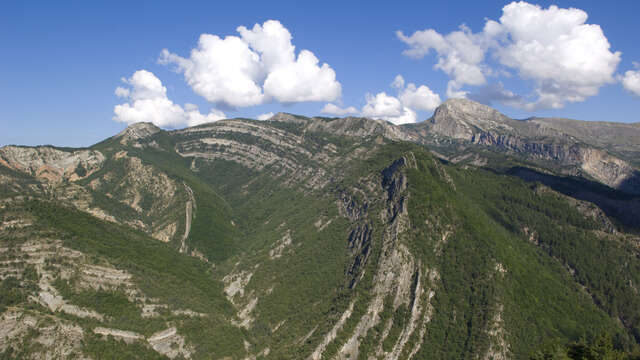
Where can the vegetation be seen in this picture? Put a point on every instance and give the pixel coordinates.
(178, 280)
(601, 347)
(112, 349)
(510, 255)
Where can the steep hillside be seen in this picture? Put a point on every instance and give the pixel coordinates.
(307, 238)
(604, 152)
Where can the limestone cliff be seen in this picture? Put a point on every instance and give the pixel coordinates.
(460, 123)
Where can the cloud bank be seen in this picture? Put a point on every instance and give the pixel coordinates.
(265, 116)
(390, 108)
(399, 109)
(147, 101)
(566, 59)
(257, 67)
(334, 109)
(631, 80)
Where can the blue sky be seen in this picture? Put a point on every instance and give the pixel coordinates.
(62, 61)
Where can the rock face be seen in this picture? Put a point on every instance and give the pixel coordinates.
(596, 163)
(137, 131)
(618, 138)
(398, 280)
(57, 339)
(462, 119)
(150, 193)
(262, 147)
(571, 145)
(51, 164)
(349, 126)
(169, 343)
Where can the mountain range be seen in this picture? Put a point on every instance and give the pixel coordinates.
(468, 235)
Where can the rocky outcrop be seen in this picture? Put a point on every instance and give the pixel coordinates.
(126, 336)
(166, 342)
(137, 131)
(610, 170)
(399, 277)
(190, 206)
(331, 335)
(462, 118)
(349, 126)
(235, 284)
(262, 147)
(281, 246)
(498, 346)
(169, 343)
(55, 338)
(467, 122)
(157, 200)
(51, 164)
(289, 118)
(596, 163)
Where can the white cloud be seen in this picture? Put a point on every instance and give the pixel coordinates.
(336, 110)
(631, 80)
(398, 82)
(567, 59)
(398, 110)
(460, 55)
(257, 67)
(122, 92)
(265, 116)
(386, 107)
(496, 92)
(147, 101)
(302, 80)
(416, 97)
(382, 105)
(221, 70)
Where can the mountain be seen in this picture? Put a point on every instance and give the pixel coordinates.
(605, 152)
(471, 235)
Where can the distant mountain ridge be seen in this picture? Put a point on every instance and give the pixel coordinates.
(606, 152)
(603, 151)
(322, 238)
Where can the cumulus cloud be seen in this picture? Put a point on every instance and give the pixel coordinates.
(257, 67)
(460, 55)
(122, 92)
(398, 82)
(221, 70)
(147, 101)
(567, 59)
(265, 116)
(334, 109)
(387, 107)
(416, 97)
(399, 109)
(631, 80)
(497, 93)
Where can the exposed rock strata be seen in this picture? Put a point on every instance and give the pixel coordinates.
(573, 145)
(50, 164)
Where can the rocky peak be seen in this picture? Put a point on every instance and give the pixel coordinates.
(466, 106)
(348, 126)
(358, 127)
(457, 118)
(289, 118)
(137, 131)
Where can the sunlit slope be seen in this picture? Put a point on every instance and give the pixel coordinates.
(299, 238)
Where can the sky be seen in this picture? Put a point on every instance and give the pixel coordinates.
(73, 73)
